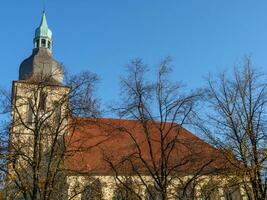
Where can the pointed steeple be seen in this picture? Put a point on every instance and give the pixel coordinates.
(41, 65)
(43, 35)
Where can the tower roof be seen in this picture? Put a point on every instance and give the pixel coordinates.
(41, 66)
(43, 30)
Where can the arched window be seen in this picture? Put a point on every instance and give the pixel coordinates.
(232, 193)
(42, 101)
(43, 43)
(125, 192)
(93, 191)
(57, 112)
(152, 193)
(30, 115)
(210, 191)
(186, 192)
(37, 45)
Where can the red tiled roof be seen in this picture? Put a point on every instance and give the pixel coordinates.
(93, 144)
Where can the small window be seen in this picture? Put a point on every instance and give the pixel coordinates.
(49, 44)
(57, 112)
(152, 193)
(92, 191)
(232, 193)
(210, 192)
(42, 101)
(30, 115)
(43, 42)
(37, 43)
(121, 192)
(186, 192)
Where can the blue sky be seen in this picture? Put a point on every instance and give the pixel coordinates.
(202, 36)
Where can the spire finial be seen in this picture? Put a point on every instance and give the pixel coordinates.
(44, 6)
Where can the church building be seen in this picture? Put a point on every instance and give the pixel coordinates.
(54, 154)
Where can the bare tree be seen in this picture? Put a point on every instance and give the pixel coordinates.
(82, 97)
(237, 124)
(4, 129)
(160, 109)
(41, 123)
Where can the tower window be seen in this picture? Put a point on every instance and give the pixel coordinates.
(43, 43)
(49, 44)
(30, 115)
(57, 111)
(42, 101)
(37, 43)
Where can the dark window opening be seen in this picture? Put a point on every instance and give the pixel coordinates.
(49, 44)
(232, 193)
(57, 112)
(43, 42)
(93, 191)
(37, 43)
(42, 101)
(186, 192)
(30, 116)
(152, 193)
(210, 192)
(122, 192)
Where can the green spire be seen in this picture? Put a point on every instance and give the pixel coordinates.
(43, 35)
(43, 30)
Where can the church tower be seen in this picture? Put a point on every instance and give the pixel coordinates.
(39, 119)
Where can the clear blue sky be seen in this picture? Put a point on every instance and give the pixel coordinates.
(202, 36)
